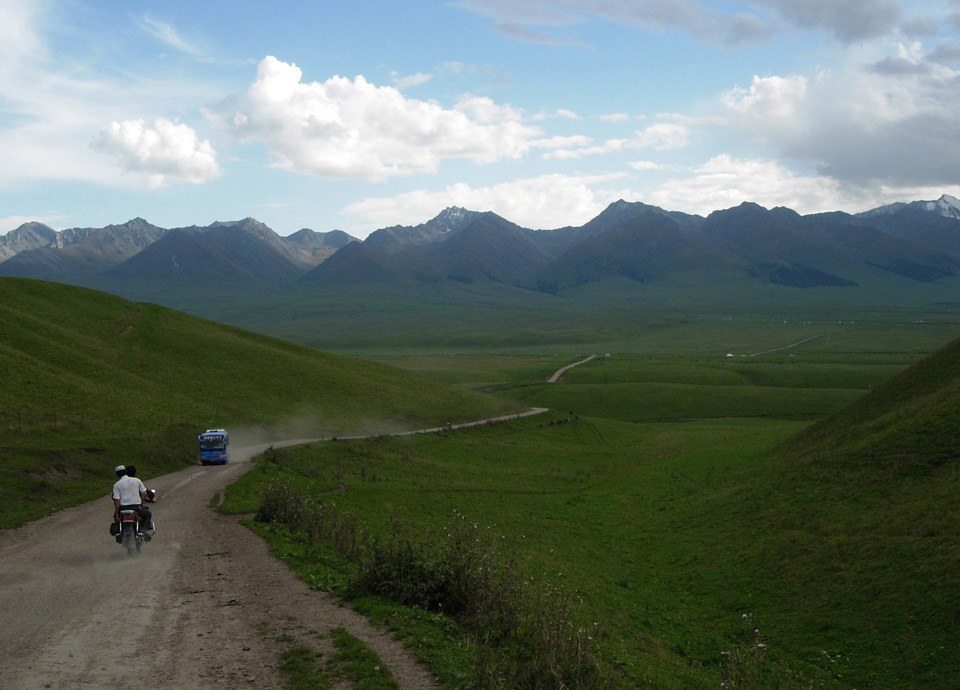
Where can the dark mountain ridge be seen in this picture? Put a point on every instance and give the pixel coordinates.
(99, 256)
(918, 242)
(84, 250)
(398, 237)
(642, 247)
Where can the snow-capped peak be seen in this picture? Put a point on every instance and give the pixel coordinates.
(946, 205)
(451, 218)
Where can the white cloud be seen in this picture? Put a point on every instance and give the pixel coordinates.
(558, 142)
(553, 201)
(548, 201)
(560, 112)
(609, 146)
(895, 121)
(18, 36)
(52, 109)
(614, 117)
(166, 150)
(661, 136)
(768, 97)
(165, 33)
(724, 181)
(484, 110)
(410, 80)
(344, 128)
(645, 165)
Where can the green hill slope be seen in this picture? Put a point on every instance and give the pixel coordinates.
(860, 529)
(89, 379)
(911, 422)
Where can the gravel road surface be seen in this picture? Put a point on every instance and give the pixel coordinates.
(201, 606)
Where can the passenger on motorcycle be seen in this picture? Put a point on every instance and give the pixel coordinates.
(129, 493)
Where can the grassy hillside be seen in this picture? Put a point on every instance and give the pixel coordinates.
(672, 531)
(89, 379)
(911, 423)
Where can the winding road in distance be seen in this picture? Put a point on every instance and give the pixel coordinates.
(563, 370)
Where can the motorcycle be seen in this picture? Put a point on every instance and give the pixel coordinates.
(130, 537)
(128, 531)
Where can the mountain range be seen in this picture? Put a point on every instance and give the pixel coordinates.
(245, 250)
(918, 242)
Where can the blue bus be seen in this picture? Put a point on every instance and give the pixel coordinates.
(213, 447)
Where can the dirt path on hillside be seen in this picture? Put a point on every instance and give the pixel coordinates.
(201, 606)
(563, 370)
(799, 342)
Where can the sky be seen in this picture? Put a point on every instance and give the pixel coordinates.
(362, 115)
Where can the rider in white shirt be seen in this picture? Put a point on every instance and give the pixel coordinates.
(129, 493)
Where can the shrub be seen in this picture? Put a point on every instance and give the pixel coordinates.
(525, 631)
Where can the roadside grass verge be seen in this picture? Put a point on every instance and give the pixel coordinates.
(435, 640)
(358, 663)
(352, 661)
(302, 667)
(670, 533)
(523, 630)
(581, 503)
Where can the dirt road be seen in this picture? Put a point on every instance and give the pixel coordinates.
(189, 612)
(563, 370)
(201, 606)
